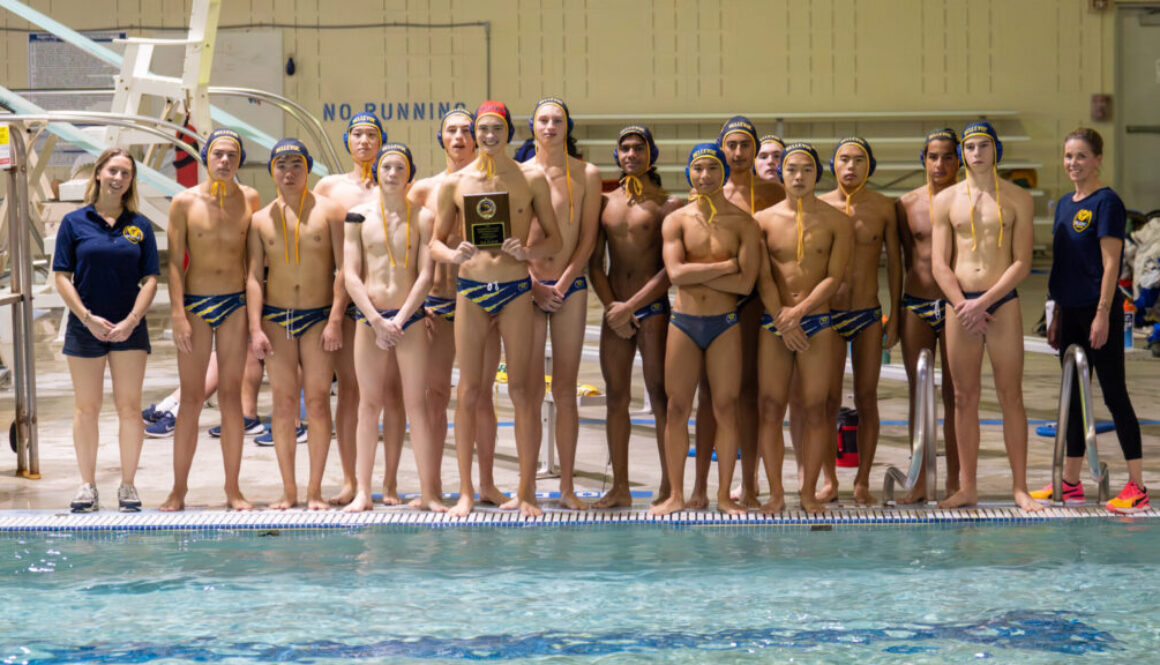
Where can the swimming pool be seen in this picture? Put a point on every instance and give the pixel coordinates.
(1027, 593)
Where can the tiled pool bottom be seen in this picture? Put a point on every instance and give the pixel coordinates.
(152, 520)
(215, 587)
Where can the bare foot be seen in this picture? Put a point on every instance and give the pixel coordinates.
(748, 499)
(614, 498)
(570, 501)
(287, 500)
(433, 503)
(959, 499)
(238, 502)
(530, 508)
(812, 506)
(952, 486)
(314, 501)
(343, 497)
(464, 506)
(391, 497)
(360, 503)
(1026, 503)
(174, 503)
(728, 506)
(776, 504)
(828, 493)
(863, 497)
(670, 505)
(698, 501)
(491, 494)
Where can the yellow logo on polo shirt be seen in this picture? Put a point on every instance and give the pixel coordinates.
(1081, 221)
(133, 234)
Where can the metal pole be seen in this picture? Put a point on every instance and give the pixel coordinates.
(1075, 361)
(23, 366)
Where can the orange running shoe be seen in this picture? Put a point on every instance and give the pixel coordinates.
(1132, 499)
(1072, 494)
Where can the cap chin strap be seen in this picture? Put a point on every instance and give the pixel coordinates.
(487, 165)
(633, 186)
(705, 197)
(365, 174)
(218, 188)
(297, 229)
(387, 235)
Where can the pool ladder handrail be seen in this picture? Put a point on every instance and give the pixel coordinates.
(1074, 359)
(923, 453)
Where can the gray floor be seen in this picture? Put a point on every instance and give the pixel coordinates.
(260, 479)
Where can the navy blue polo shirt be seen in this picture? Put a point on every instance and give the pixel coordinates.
(107, 262)
(1077, 266)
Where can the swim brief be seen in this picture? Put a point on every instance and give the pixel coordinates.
(933, 312)
(1011, 295)
(443, 308)
(351, 311)
(849, 323)
(214, 310)
(811, 324)
(390, 314)
(703, 329)
(578, 284)
(658, 306)
(492, 297)
(295, 321)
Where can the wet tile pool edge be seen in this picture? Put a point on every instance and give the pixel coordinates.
(152, 520)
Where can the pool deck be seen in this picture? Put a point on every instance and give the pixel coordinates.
(43, 503)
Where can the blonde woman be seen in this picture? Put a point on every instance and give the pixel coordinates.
(106, 271)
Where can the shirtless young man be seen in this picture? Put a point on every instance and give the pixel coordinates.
(390, 273)
(857, 315)
(980, 251)
(809, 245)
(634, 291)
(712, 254)
(738, 140)
(456, 137)
(493, 284)
(363, 138)
(559, 288)
(210, 222)
(923, 306)
(770, 149)
(299, 237)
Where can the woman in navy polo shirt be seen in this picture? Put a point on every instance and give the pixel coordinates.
(1087, 251)
(106, 270)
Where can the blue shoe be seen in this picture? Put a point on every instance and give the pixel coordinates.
(151, 415)
(163, 427)
(250, 427)
(267, 439)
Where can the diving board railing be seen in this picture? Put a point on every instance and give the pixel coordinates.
(923, 461)
(1075, 366)
(308, 120)
(111, 57)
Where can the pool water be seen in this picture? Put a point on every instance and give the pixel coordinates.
(621, 594)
